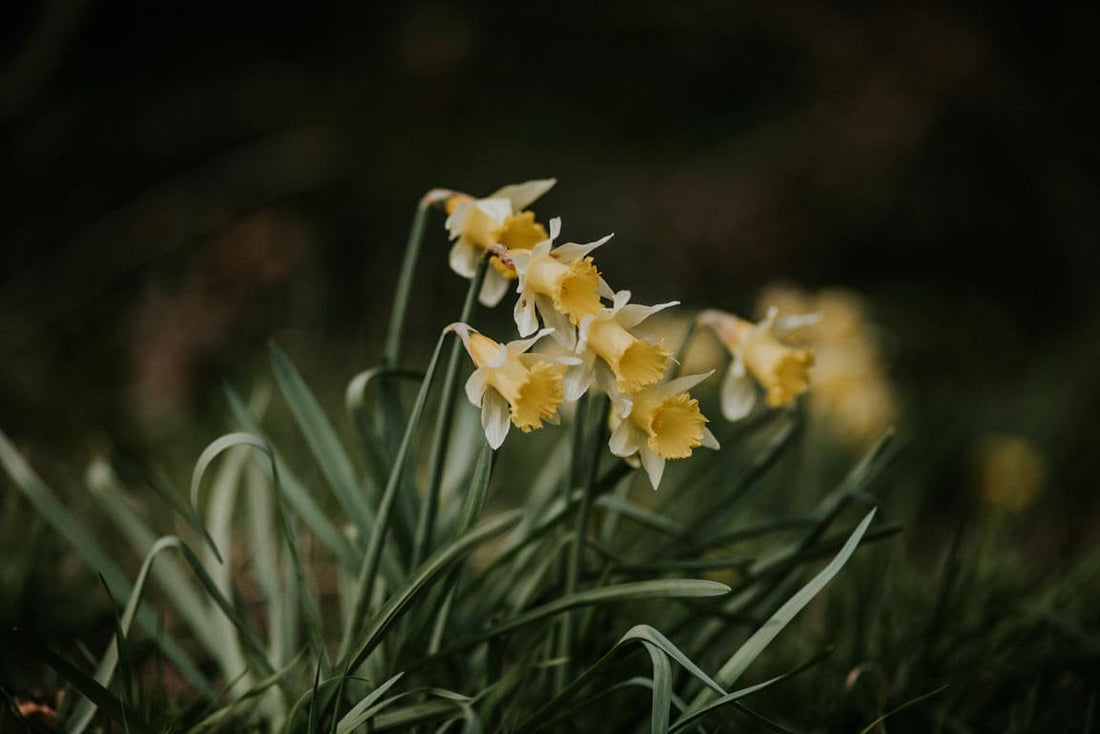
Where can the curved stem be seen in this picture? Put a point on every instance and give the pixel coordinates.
(425, 526)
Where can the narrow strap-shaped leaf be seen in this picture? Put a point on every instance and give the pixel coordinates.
(92, 553)
(364, 585)
(300, 498)
(643, 634)
(430, 571)
(748, 652)
(92, 690)
(653, 589)
(323, 442)
(361, 712)
(313, 616)
(85, 709)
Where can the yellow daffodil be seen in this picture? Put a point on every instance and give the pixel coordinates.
(560, 283)
(476, 225)
(662, 423)
(612, 356)
(511, 386)
(758, 353)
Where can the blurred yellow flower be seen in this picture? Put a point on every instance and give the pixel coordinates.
(758, 354)
(852, 393)
(511, 386)
(661, 422)
(1011, 471)
(476, 225)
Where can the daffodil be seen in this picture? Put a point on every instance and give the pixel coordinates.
(511, 386)
(476, 225)
(612, 356)
(663, 423)
(560, 283)
(758, 354)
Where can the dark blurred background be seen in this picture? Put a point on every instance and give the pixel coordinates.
(184, 181)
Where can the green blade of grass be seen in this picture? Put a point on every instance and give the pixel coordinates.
(651, 639)
(104, 485)
(440, 562)
(295, 492)
(209, 454)
(364, 586)
(653, 589)
(85, 709)
(361, 712)
(748, 652)
(323, 442)
(89, 688)
(92, 553)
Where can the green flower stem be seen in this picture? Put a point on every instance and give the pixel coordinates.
(580, 529)
(425, 526)
(392, 353)
(391, 419)
(369, 570)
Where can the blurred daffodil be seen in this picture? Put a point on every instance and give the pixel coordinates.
(759, 355)
(511, 386)
(560, 283)
(476, 225)
(1012, 471)
(612, 356)
(663, 422)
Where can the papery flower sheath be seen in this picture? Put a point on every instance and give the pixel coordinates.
(560, 284)
(664, 423)
(758, 354)
(511, 386)
(476, 225)
(612, 356)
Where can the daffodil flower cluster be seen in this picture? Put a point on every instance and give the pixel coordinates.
(593, 326)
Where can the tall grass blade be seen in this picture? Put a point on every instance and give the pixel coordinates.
(92, 553)
(748, 652)
(323, 442)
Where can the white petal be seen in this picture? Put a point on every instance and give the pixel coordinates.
(519, 346)
(624, 439)
(787, 325)
(555, 228)
(494, 288)
(521, 195)
(683, 384)
(620, 299)
(564, 333)
(524, 314)
(571, 251)
(494, 418)
(578, 379)
(496, 208)
(463, 258)
(738, 393)
(709, 441)
(605, 290)
(457, 218)
(582, 332)
(633, 314)
(475, 387)
(653, 464)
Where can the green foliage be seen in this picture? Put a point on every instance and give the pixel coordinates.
(515, 620)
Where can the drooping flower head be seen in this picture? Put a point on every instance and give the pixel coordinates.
(511, 386)
(662, 423)
(560, 283)
(612, 356)
(758, 354)
(477, 225)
